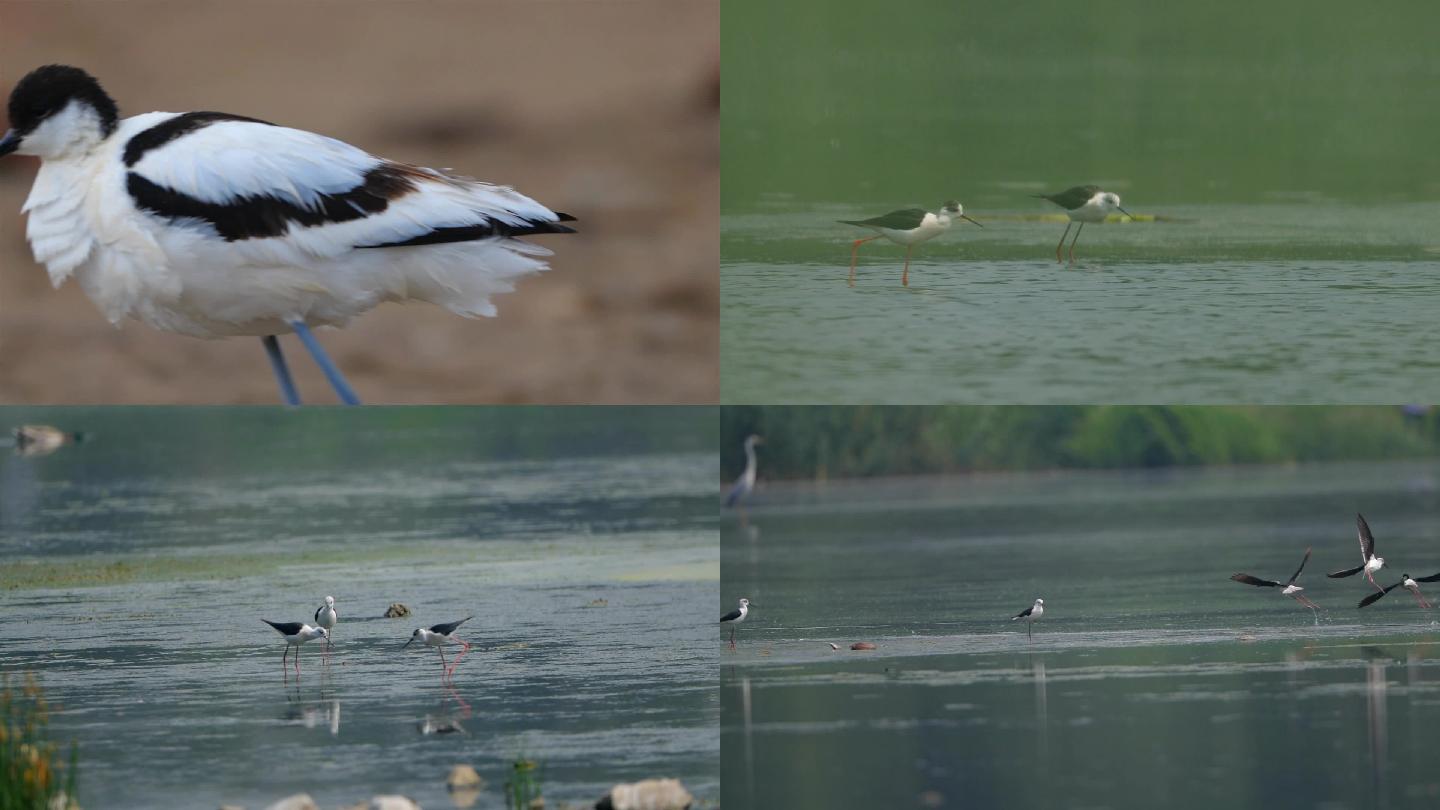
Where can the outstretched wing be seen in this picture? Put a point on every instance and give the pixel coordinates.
(731, 616)
(249, 181)
(1348, 572)
(1375, 597)
(1431, 578)
(1249, 580)
(904, 220)
(1367, 540)
(1072, 198)
(447, 629)
(1296, 575)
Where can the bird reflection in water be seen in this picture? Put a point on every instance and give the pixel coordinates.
(1375, 690)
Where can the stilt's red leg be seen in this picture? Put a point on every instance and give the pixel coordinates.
(464, 648)
(905, 277)
(1371, 577)
(1073, 241)
(855, 254)
(1062, 241)
(732, 636)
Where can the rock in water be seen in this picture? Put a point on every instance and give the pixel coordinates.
(300, 801)
(396, 611)
(862, 645)
(463, 776)
(651, 794)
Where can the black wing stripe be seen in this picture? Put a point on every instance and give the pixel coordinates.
(1022, 614)
(1349, 572)
(263, 216)
(1071, 198)
(731, 616)
(177, 127)
(1431, 578)
(469, 233)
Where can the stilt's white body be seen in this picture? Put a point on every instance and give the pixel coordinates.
(180, 276)
(930, 227)
(307, 633)
(430, 639)
(1096, 209)
(326, 616)
(1375, 564)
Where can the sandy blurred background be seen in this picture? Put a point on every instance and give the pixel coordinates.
(606, 109)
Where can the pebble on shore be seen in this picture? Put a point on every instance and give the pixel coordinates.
(650, 794)
(396, 611)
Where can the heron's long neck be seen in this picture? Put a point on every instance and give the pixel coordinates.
(749, 459)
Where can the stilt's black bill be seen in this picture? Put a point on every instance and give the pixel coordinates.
(9, 143)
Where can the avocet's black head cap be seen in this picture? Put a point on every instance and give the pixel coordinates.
(48, 90)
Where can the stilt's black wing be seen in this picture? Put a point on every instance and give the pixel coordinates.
(317, 614)
(447, 629)
(1296, 575)
(903, 220)
(1249, 580)
(731, 616)
(1431, 578)
(1071, 198)
(285, 628)
(1375, 597)
(1367, 540)
(1022, 614)
(1348, 572)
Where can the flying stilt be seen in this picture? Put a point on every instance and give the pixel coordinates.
(1409, 583)
(1031, 615)
(325, 616)
(437, 636)
(1290, 589)
(1083, 204)
(296, 633)
(42, 440)
(908, 227)
(1369, 562)
(735, 617)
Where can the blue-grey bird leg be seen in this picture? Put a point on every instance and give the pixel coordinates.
(282, 371)
(337, 380)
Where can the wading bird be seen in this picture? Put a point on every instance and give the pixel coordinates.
(325, 616)
(1369, 563)
(735, 617)
(1031, 615)
(42, 440)
(216, 225)
(437, 636)
(1083, 204)
(1289, 588)
(745, 484)
(908, 227)
(296, 633)
(1409, 583)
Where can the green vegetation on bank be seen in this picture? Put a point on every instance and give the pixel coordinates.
(859, 441)
(32, 774)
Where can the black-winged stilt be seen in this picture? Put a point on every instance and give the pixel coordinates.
(1031, 615)
(437, 636)
(216, 225)
(42, 440)
(1369, 563)
(325, 616)
(296, 633)
(1289, 588)
(908, 227)
(1409, 583)
(735, 617)
(1083, 204)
